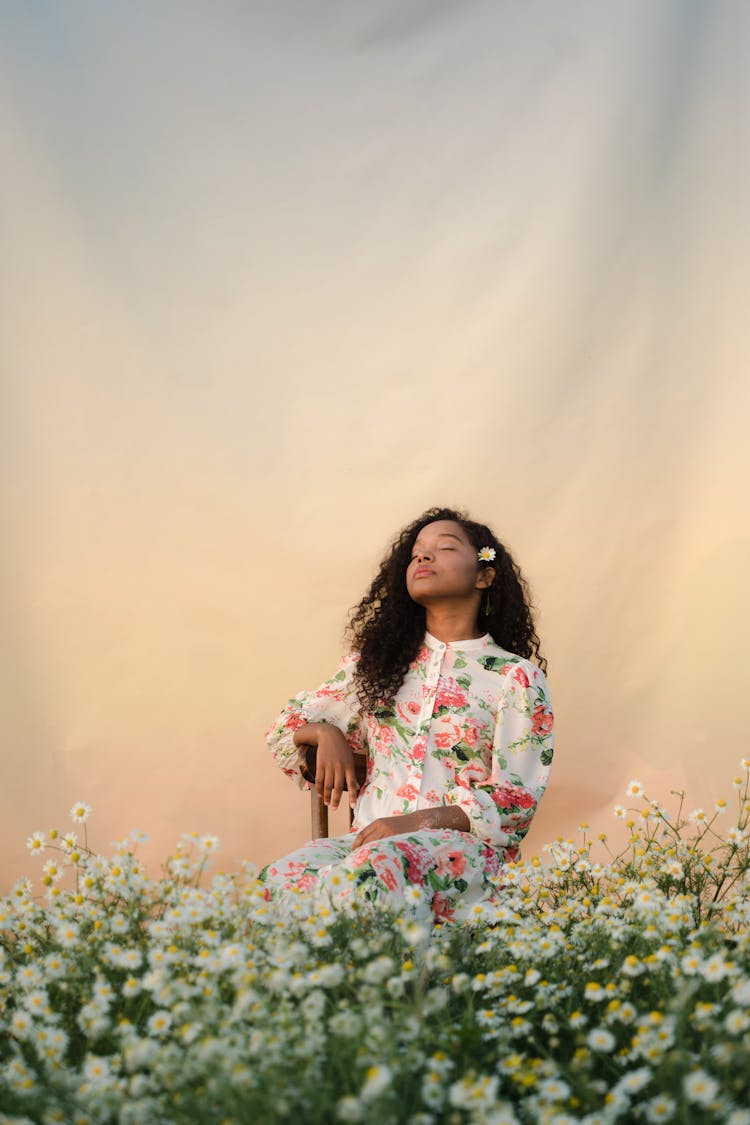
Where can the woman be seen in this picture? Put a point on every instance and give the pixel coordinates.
(441, 692)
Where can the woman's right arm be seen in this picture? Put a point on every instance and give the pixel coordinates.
(328, 718)
(334, 762)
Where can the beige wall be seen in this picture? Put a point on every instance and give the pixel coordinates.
(275, 278)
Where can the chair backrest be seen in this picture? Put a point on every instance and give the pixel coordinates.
(318, 809)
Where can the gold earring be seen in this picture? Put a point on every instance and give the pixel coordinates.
(487, 603)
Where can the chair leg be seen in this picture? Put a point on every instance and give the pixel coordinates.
(319, 816)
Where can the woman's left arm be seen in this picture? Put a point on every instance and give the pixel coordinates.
(501, 809)
(418, 821)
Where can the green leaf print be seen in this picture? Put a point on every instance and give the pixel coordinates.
(444, 709)
(459, 662)
(493, 663)
(546, 756)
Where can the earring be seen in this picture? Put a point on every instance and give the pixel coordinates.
(487, 603)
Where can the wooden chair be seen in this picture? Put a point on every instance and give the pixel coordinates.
(319, 810)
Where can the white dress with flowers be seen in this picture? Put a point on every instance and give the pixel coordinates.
(470, 726)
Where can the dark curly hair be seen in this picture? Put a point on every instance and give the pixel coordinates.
(387, 628)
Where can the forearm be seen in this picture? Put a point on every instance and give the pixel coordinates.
(422, 820)
(443, 816)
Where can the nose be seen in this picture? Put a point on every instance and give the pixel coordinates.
(423, 555)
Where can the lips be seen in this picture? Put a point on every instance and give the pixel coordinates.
(423, 572)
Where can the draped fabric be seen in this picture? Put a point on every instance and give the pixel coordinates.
(276, 278)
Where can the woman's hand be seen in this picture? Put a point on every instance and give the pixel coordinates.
(335, 762)
(444, 816)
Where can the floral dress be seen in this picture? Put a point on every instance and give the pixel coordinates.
(471, 725)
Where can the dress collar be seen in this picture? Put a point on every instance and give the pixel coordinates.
(470, 645)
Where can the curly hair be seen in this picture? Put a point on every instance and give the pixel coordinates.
(387, 628)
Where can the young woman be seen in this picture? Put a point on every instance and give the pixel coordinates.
(441, 692)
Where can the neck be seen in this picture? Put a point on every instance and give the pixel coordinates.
(452, 623)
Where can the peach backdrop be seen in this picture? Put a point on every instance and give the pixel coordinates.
(277, 277)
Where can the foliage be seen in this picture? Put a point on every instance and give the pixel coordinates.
(586, 991)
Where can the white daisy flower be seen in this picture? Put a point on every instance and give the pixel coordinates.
(52, 871)
(377, 1079)
(36, 843)
(736, 1022)
(660, 1108)
(160, 1022)
(601, 1040)
(716, 968)
(633, 1082)
(80, 812)
(554, 1090)
(635, 788)
(700, 1088)
(487, 554)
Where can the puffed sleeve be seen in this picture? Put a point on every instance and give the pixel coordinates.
(335, 702)
(501, 808)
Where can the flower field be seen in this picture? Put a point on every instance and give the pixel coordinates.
(600, 987)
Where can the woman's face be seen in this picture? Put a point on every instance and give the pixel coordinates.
(444, 565)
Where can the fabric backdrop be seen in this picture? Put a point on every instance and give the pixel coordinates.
(275, 278)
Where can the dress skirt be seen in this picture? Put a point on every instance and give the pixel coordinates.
(439, 873)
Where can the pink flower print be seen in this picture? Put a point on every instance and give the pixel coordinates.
(418, 752)
(408, 790)
(294, 869)
(471, 734)
(473, 773)
(442, 908)
(521, 678)
(306, 882)
(331, 691)
(541, 720)
(361, 856)
(384, 870)
(447, 735)
(409, 711)
(450, 861)
(491, 864)
(449, 694)
(295, 721)
(418, 862)
(509, 796)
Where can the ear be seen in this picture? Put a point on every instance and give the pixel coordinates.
(485, 578)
